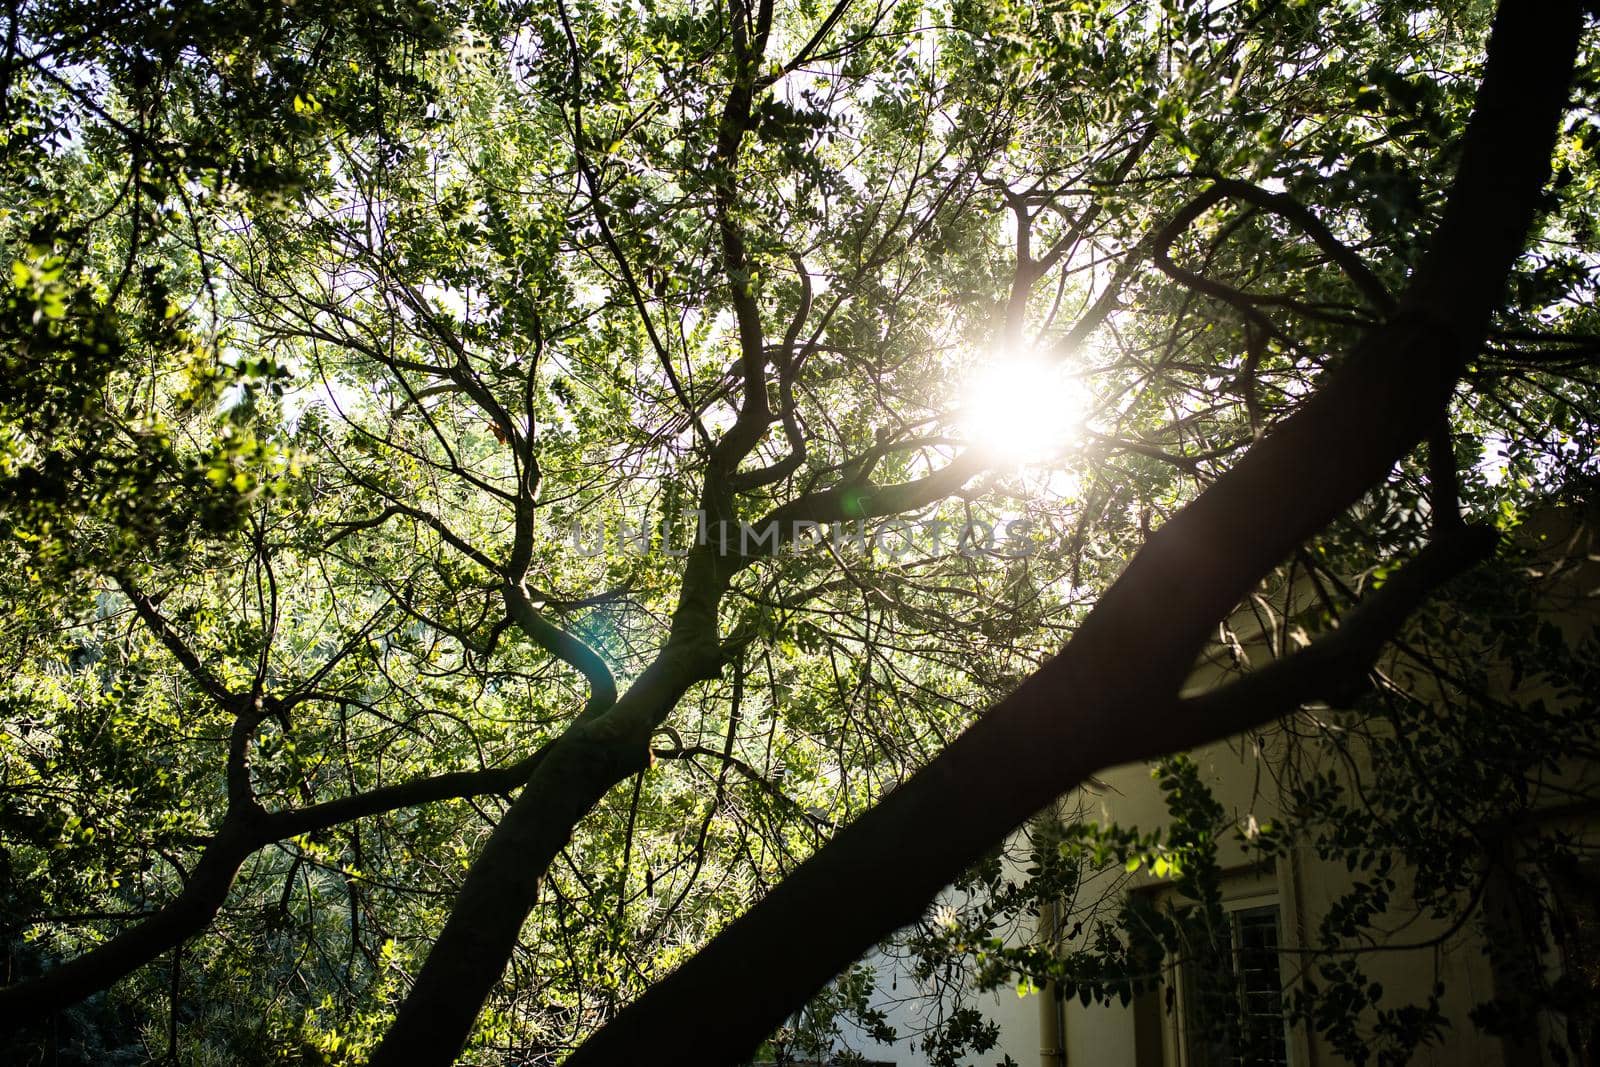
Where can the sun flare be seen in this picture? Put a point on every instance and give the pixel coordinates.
(1022, 408)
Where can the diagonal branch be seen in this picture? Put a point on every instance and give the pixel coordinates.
(150, 613)
(1248, 304)
(1334, 664)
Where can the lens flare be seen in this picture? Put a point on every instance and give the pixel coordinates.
(1023, 408)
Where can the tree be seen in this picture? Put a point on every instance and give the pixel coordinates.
(332, 315)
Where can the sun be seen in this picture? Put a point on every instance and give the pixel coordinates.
(1022, 408)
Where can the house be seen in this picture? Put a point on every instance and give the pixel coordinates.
(1524, 920)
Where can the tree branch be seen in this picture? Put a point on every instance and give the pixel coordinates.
(1333, 664)
(564, 646)
(203, 894)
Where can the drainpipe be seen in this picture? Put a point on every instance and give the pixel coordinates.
(1052, 1011)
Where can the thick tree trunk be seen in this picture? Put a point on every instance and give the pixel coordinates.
(1110, 696)
(502, 885)
(500, 889)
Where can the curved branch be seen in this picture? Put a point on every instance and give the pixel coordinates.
(162, 628)
(734, 123)
(432, 522)
(247, 712)
(564, 646)
(186, 915)
(454, 785)
(1283, 205)
(848, 501)
(203, 894)
(1286, 206)
(789, 361)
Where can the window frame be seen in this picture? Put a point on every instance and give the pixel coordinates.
(1243, 890)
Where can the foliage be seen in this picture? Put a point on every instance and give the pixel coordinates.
(362, 362)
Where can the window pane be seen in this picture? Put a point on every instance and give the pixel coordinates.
(1261, 989)
(1234, 1000)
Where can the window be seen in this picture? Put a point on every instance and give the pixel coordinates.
(1232, 998)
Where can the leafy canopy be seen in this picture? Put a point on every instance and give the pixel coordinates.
(365, 366)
